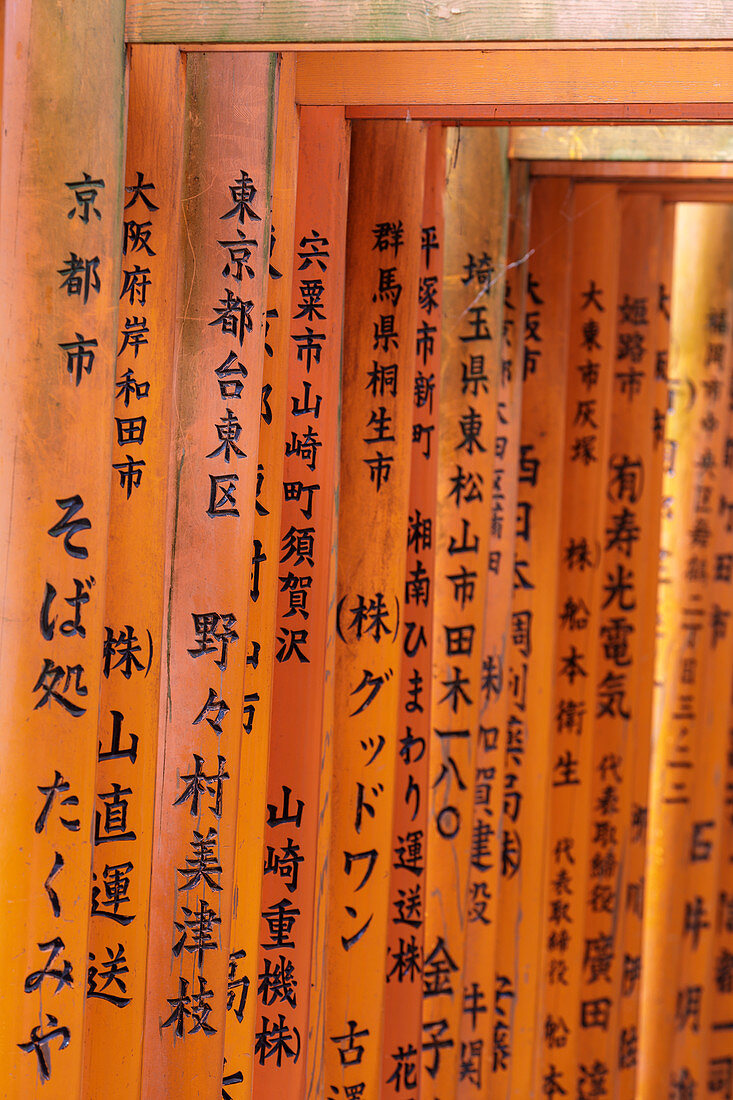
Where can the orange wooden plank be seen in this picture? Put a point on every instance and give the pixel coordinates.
(579, 698)
(317, 1038)
(310, 484)
(383, 253)
(258, 678)
(585, 76)
(710, 541)
(486, 1021)
(635, 171)
(527, 738)
(226, 197)
(475, 206)
(679, 915)
(403, 991)
(625, 643)
(549, 113)
(719, 1070)
(61, 188)
(134, 595)
(645, 596)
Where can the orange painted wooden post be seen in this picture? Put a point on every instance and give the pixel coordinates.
(486, 1024)
(646, 568)
(134, 602)
(380, 318)
(403, 991)
(475, 211)
(315, 1066)
(525, 743)
(62, 178)
(580, 698)
(625, 656)
(258, 677)
(685, 784)
(719, 1070)
(226, 196)
(709, 540)
(302, 554)
(666, 818)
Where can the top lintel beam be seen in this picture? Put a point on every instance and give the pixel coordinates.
(426, 21)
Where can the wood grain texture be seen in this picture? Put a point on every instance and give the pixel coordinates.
(385, 189)
(303, 565)
(525, 785)
(624, 143)
(259, 671)
(622, 75)
(130, 695)
(637, 854)
(697, 976)
(496, 855)
(651, 172)
(403, 999)
(423, 20)
(59, 272)
(474, 263)
(596, 114)
(212, 493)
(621, 735)
(576, 705)
(681, 766)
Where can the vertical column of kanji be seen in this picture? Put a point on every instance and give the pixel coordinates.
(525, 747)
(403, 992)
(641, 601)
(679, 918)
(719, 1076)
(226, 188)
(720, 1061)
(316, 1054)
(475, 211)
(487, 998)
(380, 318)
(60, 245)
(123, 817)
(660, 943)
(583, 533)
(625, 644)
(710, 534)
(258, 679)
(302, 554)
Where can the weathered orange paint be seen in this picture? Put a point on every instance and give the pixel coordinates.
(683, 776)
(405, 937)
(526, 739)
(475, 205)
(135, 582)
(583, 534)
(719, 985)
(584, 82)
(226, 187)
(647, 568)
(625, 642)
(303, 551)
(258, 677)
(55, 453)
(315, 1067)
(709, 535)
(385, 189)
(486, 1032)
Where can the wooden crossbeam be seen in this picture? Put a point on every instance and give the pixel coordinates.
(422, 20)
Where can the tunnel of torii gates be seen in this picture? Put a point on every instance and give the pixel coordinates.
(366, 647)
